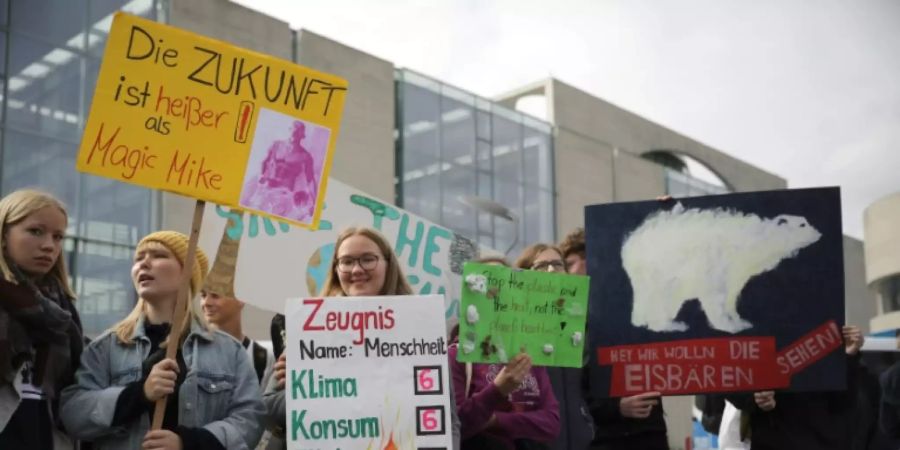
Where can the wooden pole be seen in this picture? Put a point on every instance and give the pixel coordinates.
(180, 310)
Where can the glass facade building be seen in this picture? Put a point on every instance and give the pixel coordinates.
(451, 145)
(51, 52)
(680, 184)
(889, 291)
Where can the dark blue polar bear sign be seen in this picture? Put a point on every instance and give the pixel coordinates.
(723, 269)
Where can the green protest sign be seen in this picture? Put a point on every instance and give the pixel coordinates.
(507, 310)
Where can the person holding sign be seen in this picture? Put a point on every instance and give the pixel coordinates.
(211, 389)
(807, 420)
(223, 310)
(508, 406)
(363, 265)
(635, 421)
(225, 313)
(40, 333)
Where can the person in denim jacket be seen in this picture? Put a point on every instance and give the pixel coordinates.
(211, 389)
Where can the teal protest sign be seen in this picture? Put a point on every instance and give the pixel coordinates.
(505, 311)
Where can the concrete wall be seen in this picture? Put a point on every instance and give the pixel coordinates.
(577, 110)
(584, 176)
(364, 156)
(859, 300)
(881, 225)
(637, 178)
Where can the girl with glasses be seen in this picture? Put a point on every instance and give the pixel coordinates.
(364, 265)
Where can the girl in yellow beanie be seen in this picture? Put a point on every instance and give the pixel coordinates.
(212, 393)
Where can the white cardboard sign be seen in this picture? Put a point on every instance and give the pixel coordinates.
(367, 373)
(278, 261)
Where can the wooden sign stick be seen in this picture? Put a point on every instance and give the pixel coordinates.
(178, 316)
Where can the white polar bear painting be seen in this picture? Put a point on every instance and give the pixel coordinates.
(705, 254)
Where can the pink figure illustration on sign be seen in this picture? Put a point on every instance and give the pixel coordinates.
(287, 181)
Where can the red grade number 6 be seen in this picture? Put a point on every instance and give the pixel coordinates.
(425, 382)
(428, 419)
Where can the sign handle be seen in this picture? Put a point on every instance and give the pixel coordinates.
(159, 411)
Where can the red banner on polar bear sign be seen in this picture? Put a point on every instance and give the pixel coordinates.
(809, 348)
(694, 365)
(714, 365)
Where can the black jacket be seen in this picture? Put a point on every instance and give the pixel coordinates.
(804, 420)
(612, 430)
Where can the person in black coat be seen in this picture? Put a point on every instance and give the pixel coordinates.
(806, 420)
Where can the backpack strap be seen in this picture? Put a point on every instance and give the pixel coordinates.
(260, 360)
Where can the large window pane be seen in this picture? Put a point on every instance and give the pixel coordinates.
(101, 15)
(453, 144)
(457, 132)
(44, 89)
(889, 291)
(510, 196)
(3, 53)
(421, 141)
(538, 215)
(4, 5)
(538, 158)
(54, 21)
(421, 195)
(35, 161)
(507, 142)
(103, 284)
(114, 212)
(458, 182)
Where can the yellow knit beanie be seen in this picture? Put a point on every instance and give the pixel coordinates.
(177, 243)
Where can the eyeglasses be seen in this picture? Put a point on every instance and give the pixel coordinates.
(367, 262)
(544, 266)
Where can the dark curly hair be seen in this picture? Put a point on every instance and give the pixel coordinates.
(573, 244)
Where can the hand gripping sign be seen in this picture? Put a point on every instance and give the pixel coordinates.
(722, 293)
(183, 113)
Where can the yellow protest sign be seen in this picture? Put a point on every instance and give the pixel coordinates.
(188, 114)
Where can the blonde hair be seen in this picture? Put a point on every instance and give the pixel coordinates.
(125, 328)
(394, 281)
(526, 259)
(17, 206)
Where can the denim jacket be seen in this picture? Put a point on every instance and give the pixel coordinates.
(220, 391)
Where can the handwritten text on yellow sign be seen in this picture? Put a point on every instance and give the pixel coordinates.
(178, 112)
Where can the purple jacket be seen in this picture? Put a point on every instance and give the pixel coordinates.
(530, 412)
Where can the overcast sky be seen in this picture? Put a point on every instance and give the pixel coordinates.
(808, 90)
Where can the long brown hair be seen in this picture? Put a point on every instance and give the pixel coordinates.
(394, 281)
(14, 208)
(526, 259)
